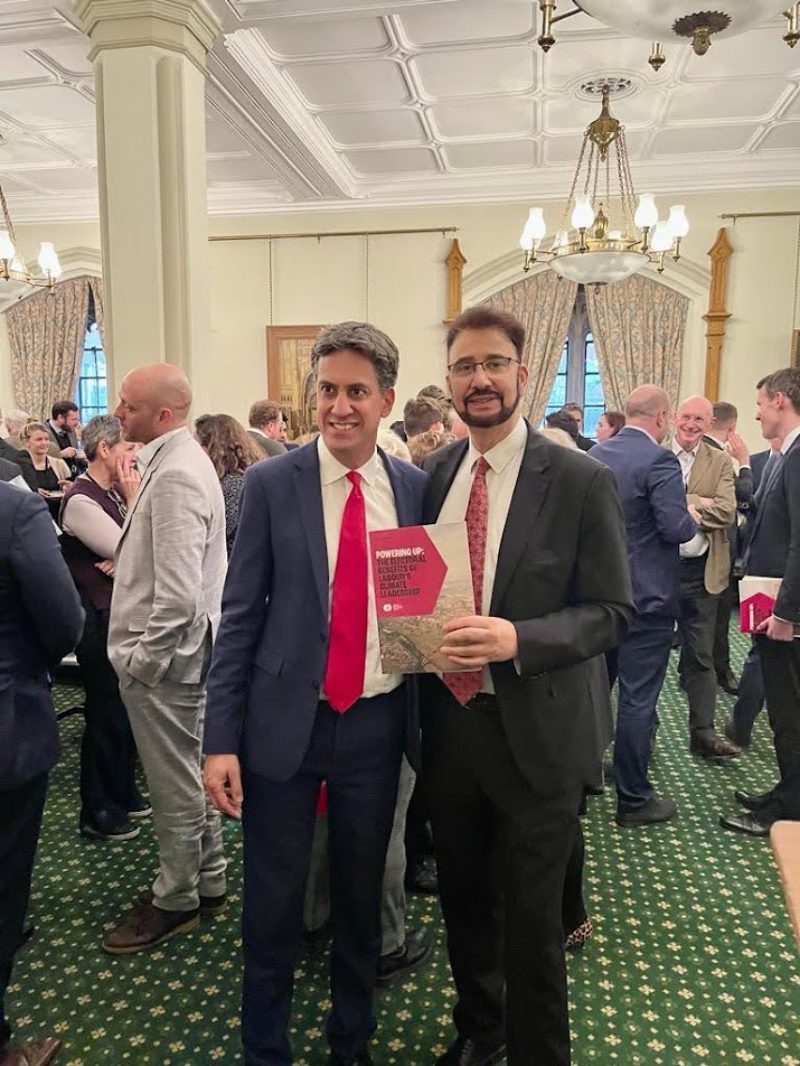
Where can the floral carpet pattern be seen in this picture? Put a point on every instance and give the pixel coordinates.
(692, 961)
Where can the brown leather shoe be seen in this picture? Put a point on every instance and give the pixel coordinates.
(714, 748)
(146, 926)
(39, 1053)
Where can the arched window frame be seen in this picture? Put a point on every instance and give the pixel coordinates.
(91, 388)
(578, 377)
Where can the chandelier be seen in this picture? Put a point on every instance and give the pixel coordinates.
(13, 267)
(612, 237)
(673, 20)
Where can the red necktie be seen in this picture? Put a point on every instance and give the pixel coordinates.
(347, 639)
(465, 686)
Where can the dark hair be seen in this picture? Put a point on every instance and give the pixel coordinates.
(419, 415)
(725, 413)
(786, 381)
(227, 443)
(62, 407)
(484, 316)
(615, 419)
(572, 407)
(561, 420)
(262, 413)
(365, 339)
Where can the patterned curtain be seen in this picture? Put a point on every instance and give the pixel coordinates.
(544, 304)
(638, 328)
(46, 333)
(96, 285)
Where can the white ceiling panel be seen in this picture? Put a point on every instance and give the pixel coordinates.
(490, 154)
(754, 98)
(394, 161)
(72, 55)
(70, 179)
(370, 82)
(568, 64)
(373, 127)
(686, 141)
(242, 170)
(46, 106)
(323, 37)
(785, 136)
(19, 152)
(475, 72)
(497, 116)
(472, 20)
(15, 64)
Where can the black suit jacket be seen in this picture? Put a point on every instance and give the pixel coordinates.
(8, 470)
(562, 578)
(757, 463)
(774, 539)
(40, 621)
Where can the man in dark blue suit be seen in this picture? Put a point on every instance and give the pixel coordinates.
(657, 520)
(296, 695)
(773, 550)
(40, 621)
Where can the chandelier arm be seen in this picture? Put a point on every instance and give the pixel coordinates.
(7, 217)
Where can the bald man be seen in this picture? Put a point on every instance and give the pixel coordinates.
(657, 520)
(704, 571)
(170, 568)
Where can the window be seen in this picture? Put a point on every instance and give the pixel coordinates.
(578, 377)
(91, 392)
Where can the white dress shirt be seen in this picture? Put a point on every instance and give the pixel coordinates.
(505, 460)
(381, 514)
(698, 545)
(789, 440)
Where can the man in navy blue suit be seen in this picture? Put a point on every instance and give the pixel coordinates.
(41, 619)
(296, 695)
(657, 520)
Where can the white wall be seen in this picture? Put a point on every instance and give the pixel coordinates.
(404, 291)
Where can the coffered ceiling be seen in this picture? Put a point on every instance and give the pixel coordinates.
(330, 103)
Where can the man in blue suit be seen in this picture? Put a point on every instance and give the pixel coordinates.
(40, 621)
(296, 695)
(658, 521)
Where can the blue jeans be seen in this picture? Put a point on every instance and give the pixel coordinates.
(642, 666)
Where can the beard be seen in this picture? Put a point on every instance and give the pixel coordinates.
(486, 421)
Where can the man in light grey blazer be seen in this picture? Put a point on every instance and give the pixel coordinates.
(169, 571)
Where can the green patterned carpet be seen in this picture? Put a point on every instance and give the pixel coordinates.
(692, 961)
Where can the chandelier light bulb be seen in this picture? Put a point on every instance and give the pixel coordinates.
(536, 225)
(48, 260)
(17, 265)
(661, 237)
(647, 212)
(583, 214)
(7, 249)
(678, 222)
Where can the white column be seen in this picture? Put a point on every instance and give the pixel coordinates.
(149, 58)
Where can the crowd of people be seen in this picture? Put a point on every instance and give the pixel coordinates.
(214, 582)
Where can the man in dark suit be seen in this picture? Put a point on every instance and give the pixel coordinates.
(296, 695)
(63, 427)
(575, 412)
(723, 437)
(12, 472)
(40, 621)
(774, 551)
(509, 745)
(267, 427)
(657, 520)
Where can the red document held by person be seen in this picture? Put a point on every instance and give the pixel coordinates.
(422, 579)
(757, 597)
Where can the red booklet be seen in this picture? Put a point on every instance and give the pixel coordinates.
(422, 579)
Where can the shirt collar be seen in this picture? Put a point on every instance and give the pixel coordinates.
(789, 440)
(682, 451)
(499, 456)
(145, 455)
(330, 469)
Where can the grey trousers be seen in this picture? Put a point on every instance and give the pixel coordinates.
(167, 725)
(317, 906)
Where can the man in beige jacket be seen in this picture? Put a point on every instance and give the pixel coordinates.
(169, 571)
(705, 570)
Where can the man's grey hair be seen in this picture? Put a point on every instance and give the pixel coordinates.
(365, 339)
(16, 419)
(98, 429)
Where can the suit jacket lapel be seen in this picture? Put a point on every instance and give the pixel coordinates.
(701, 463)
(533, 484)
(309, 497)
(441, 480)
(403, 498)
(152, 466)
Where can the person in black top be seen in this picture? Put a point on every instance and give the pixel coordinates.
(63, 430)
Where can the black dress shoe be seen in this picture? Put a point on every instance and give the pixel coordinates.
(412, 954)
(655, 810)
(466, 1052)
(736, 736)
(753, 801)
(361, 1058)
(422, 880)
(714, 748)
(754, 824)
(727, 682)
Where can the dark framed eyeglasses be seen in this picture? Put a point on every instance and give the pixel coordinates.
(495, 366)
